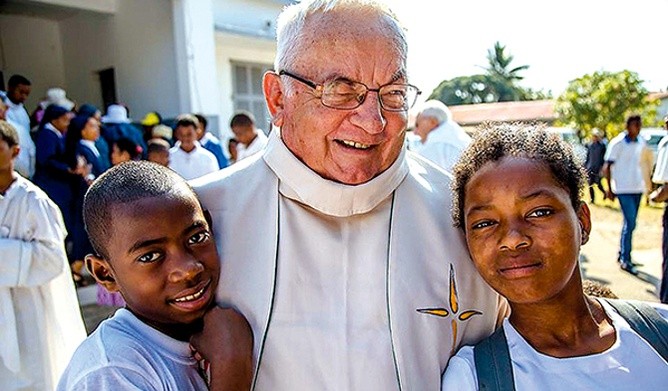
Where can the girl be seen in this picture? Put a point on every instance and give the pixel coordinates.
(517, 199)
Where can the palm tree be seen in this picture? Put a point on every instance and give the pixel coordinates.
(499, 61)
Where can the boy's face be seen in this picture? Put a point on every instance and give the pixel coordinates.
(163, 260)
(7, 155)
(522, 231)
(160, 157)
(187, 135)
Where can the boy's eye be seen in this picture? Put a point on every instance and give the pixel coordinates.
(199, 237)
(482, 224)
(541, 213)
(150, 257)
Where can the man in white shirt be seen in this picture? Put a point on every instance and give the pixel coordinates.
(18, 90)
(251, 140)
(624, 175)
(188, 158)
(661, 195)
(360, 281)
(443, 140)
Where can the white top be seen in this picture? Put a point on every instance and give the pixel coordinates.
(330, 300)
(126, 354)
(40, 322)
(626, 171)
(18, 117)
(91, 145)
(255, 146)
(629, 364)
(661, 169)
(445, 144)
(193, 164)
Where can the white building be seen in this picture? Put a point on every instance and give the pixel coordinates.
(171, 56)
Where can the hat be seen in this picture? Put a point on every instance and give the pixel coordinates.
(57, 96)
(116, 114)
(596, 132)
(162, 131)
(151, 118)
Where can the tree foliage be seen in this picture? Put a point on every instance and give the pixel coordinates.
(604, 100)
(497, 84)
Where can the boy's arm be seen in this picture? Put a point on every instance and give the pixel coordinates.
(226, 341)
(38, 257)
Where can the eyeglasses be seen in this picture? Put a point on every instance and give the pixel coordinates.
(344, 94)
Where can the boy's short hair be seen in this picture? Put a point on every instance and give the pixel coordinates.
(186, 120)
(242, 118)
(202, 120)
(633, 119)
(8, 134)
(15, 80)
(492, 142)
(157, 145)
(123, 184)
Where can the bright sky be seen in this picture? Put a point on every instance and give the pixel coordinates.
(559, 40)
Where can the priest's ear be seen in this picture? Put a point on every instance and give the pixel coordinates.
(274, 94)
(100, 269)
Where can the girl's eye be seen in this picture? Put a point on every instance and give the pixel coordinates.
(199, 237)
(150, 257)
(482, 224)
(541, 213)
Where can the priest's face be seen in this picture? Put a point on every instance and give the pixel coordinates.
(349, 146)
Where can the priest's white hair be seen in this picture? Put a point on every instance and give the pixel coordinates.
(290, 27)
(436, 109)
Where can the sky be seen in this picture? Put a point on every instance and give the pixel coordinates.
(559, 40)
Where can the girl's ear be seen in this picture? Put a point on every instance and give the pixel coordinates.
(584, 217)
(100, 269)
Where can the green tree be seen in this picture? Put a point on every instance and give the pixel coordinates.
(604, 100)
(498, 84)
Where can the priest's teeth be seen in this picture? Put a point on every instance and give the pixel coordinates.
(355, 144)
(192, 297)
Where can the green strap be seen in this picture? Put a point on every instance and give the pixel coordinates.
(492, 363)
(645, 321)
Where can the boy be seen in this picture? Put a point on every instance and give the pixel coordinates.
(188, 158)
(158, 151)
(154, 246)
(40, 322)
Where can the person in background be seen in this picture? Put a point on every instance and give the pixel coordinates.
(210, 142)
(660, 177)
(18, 90)
(158, 151)
(594, 163)
(624, 175)
(164, 132)
(188, 158)
(116, 125)
(250, 139)
(124, 150)
(232, 145)
(89, 110)
(443, 140)
(39, 310)
(150, 120)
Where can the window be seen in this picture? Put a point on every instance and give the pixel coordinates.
(247, 94)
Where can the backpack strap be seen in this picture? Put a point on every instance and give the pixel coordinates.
(645, 321)
(492, 363)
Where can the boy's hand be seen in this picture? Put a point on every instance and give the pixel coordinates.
(226, 342)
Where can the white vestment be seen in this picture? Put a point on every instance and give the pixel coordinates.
(445, 144)
(40, 321)
(345, 287)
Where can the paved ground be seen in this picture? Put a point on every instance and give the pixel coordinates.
(598, 259)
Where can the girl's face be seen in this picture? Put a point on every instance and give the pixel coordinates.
(92, 130)
(522, 231)
(118, 156)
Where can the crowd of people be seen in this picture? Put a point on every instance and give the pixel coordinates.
(329, 258)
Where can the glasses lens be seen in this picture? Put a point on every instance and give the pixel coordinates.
(343, 94)
(398, 97)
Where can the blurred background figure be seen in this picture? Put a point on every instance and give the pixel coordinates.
(164, 132)
(443, 140)
(158, 151)
(188, 158)
(89, 110)
(594, 162)
(250, 139)
(18, 90)
(210, 142)
(116, 125)
(124, 150)
(150, 120)
(232, 145)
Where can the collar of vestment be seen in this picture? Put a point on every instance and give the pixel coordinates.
(299, 183)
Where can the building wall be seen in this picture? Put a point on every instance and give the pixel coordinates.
(32, 47)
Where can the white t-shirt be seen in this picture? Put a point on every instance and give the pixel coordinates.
(254, 147)
(124, 353)
(193, 164)
(626, 171)
(19, 119)
(661, 169)
(629, 364)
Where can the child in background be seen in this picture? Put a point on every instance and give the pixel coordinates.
(518, 200)
(40, 321)
(154, 246)
(158, 151)
(124, 150)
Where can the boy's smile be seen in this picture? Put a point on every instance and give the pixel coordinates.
(522, 230)
(162, 258)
